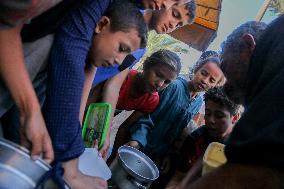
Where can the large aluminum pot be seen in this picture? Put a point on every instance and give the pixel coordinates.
(132, 169)
(17, 170)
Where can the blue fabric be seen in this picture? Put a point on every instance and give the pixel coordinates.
(55, 173)
(66, 78)
(156, 131)
(104, 73)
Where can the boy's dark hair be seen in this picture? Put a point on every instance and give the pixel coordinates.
(191, 7)
(234, 41)
(163, 57)
(217, 95)
(124, 16)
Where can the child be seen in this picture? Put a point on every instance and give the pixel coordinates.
(179, 102)
(221, 114)
(108, 36)
(139, 91)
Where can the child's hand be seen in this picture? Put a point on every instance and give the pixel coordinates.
(133, 144)
(104, 151)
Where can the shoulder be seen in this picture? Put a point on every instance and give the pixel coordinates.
(182, 82)
(129, 78)
(175, 88)
(200, 98)
(154, 99)
(151, 102)
(132, 73)
(177, 83)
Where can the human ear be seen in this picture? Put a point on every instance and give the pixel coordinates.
(250, 41)
(103, 23)
(236, 118)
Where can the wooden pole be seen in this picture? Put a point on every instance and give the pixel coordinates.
(262, 10)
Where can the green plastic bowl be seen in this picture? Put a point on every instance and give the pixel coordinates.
(96, 124)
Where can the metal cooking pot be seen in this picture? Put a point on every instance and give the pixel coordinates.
(132, 169)
(18, 170)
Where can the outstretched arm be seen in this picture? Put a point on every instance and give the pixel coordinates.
(16, 78)
(110, 95)
(90, 72)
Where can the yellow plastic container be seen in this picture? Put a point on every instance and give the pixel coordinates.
(214, 157)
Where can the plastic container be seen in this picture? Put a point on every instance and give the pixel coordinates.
(96, 124)
(214, 157)
(90, 163)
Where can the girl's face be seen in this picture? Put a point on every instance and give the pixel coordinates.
(206, 77)
(158, 78)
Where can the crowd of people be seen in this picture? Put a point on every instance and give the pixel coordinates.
(58, 56)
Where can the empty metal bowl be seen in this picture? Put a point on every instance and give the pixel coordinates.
(18, 170)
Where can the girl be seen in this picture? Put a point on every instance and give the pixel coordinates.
(139, 91)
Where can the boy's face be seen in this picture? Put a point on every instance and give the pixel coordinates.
(109, 48)
(218, 120)
(158, 78)
(161, 4)
(206, 77)
(166, 21)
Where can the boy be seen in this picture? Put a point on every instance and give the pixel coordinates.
(221, 114)
(108, 36)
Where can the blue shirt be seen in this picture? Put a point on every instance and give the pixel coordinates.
(156, 131)
(104, 73)
(66, 78)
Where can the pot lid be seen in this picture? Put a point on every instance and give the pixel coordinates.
(137, 164)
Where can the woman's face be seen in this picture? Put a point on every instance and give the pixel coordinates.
(158, 77)
(208, 76)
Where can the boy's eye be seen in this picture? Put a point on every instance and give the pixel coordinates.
(219, 115)
(123, 48)
(212, 80)
(176, 14)
(203, 72)
(158, 74)
(180, 24)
